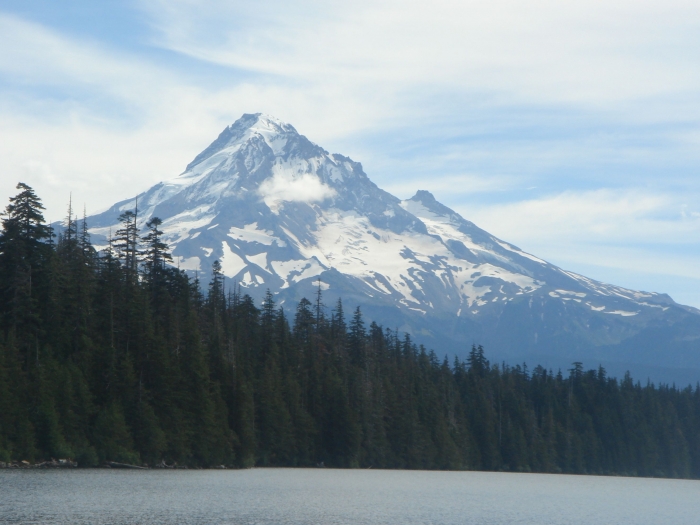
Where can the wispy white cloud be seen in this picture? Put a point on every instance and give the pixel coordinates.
(601, 215)
(35, 55)
(283, 186)
(604, 231)
(591, 51)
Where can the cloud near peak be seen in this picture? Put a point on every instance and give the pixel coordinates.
(284, 186)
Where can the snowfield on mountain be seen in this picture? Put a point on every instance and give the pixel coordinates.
(281, 213)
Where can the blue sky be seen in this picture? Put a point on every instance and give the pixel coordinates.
(572, 131)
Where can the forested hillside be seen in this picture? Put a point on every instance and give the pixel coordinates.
(119, 356)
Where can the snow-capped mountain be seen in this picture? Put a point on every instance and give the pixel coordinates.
(280, 212)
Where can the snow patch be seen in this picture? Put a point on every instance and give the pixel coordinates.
(623, 313)
(519, 251)
(231, 263)
(567, 292)
(296, 270)
(379, 286)
(178, 227)
(260, 259)
(651, 305)
(187, 263)
(251, 233)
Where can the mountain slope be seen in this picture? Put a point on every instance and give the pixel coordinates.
(280, 212)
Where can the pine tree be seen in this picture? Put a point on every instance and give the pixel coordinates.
(156, 254)
(24, 256)
(127, 243)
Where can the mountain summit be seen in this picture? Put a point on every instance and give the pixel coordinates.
(279, 212)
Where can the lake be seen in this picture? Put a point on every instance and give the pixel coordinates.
(327, 496)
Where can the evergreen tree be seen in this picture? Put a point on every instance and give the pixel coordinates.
(127, 243)
(156, 254)
(24, 256)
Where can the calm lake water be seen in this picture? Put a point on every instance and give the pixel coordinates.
(326, 496)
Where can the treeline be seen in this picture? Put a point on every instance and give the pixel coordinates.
(118, 356)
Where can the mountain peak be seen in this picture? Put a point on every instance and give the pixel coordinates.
(429, 202)
(424, 197)
(263, 124)
(250, 124)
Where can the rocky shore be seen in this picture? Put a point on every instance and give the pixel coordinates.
(53, 463)
(69, 463)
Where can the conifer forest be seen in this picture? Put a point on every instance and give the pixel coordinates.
(116, 355)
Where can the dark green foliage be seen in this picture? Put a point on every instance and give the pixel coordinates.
(113, 436)
(117, 356)
(24, 270)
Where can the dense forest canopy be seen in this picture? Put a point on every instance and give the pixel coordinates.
(119, 356)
